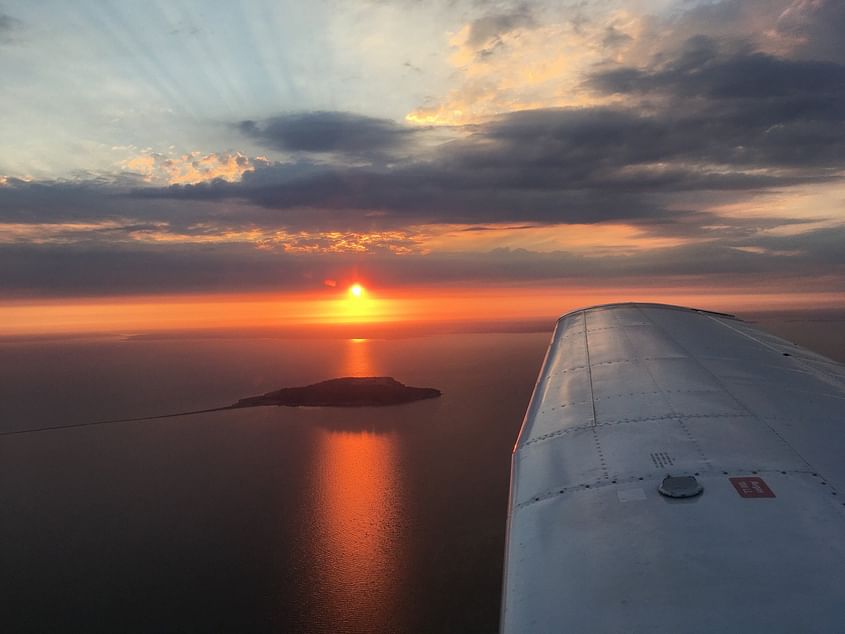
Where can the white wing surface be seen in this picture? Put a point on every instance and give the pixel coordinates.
(632, 393)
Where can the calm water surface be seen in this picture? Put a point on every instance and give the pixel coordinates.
(268, 519)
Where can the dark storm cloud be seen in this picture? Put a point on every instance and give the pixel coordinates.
(425, 194)
(567, 165)
(595, 146)
(137, 269)
(329, 132)
(715, 263)
(489, 29)
(796, 29)
(8, 25)
(550, 166)
(741, 108)
(614, 38)
(810, 261)
(816, 26)
(701, 70)
(54, 201)
(95, 201)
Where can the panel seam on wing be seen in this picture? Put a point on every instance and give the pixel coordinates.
(669, 405)
(602, 363)
(627, 395)
(601, 484)
(719, 381)
(596, 440)
(591, 330)
(622, 421)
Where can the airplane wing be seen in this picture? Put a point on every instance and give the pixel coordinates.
(744, 433)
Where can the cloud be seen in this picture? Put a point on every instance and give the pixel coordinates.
(487, 32)
(550, 166)
(614, 38)
(333, 242)
(811, 261)
(512, 61)
(703, 69)
(654, 166)
(817, 27)
(329, 133)
(519, 59)
(742, 108)
(194, 167)
(8, 27)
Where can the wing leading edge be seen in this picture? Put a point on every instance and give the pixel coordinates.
(631, 393)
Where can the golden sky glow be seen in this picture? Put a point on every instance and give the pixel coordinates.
(333, 309)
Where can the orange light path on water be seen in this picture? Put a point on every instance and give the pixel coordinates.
(357, 536)
(357, 526)
(356, 358)
(384, 306)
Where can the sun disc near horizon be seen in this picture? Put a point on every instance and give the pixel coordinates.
(356, 290)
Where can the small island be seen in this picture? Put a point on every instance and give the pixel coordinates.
(370, 391)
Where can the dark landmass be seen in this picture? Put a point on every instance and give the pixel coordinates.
(371, 391)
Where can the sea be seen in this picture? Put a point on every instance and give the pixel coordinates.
(269, 519)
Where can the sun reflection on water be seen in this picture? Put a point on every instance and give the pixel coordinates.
(357, 510)
(358, 518)
(357, 360)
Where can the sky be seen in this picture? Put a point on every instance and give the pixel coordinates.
(493, 155)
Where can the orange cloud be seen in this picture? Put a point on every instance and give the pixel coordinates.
(197, 234)
(528, 66)
(52, 233)
(589, 239)
(194, 167)
(594, 239)
(123, 230)
(396, 242)
(803, 208)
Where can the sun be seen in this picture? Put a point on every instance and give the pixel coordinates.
(356, 290)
